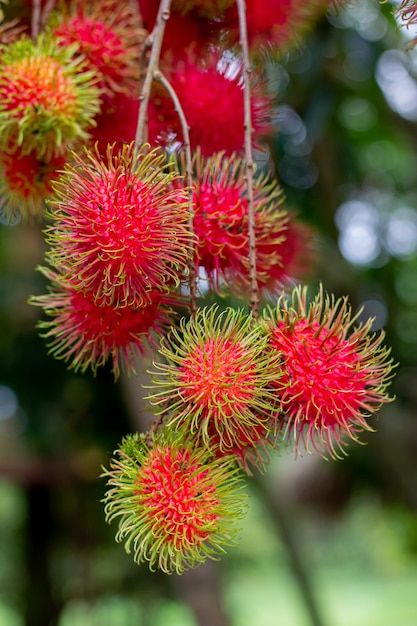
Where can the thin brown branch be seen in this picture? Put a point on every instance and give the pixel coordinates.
(249, 161)
(36, 19)
(157, 39)
(156, 424)
(189, 177)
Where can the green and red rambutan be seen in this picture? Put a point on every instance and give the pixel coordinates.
(215, 375)
(334, 374)
(108, 35)
(175, 506)
(88, 335)
(118, 226)
(47, 99)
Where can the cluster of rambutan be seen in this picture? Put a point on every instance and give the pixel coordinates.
(53, 88)
(229, 389)
(78, 82)
(125, 232)
(118, 245)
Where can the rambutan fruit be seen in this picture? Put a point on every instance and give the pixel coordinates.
(335, 373)
(211, 94)
(87, 335)
(47, 100)
(116, 123)
(281, 261)
(215, 374)
(276, 25)
(221, 222)
(176, 507)
(109, 37)
(248, 453)
(183, 31)
(119, 227)
(26, 182)
(203, 8)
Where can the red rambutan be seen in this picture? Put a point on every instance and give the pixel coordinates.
(119, 228)
(182, 31)
(211, 94)
(203, 8)
(296, 253)
(108, 35)
(221, 223)
(276, 24)
(248, 453)
(334, 374)
(26, 182)
(88, 335)
(116, 123)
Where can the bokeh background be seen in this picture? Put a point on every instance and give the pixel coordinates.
(324, 543)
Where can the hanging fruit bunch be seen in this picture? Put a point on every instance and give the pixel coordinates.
(128, 133)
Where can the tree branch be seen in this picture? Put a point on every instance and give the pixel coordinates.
(157, 39)
(189, 177)
(36, 19)
(249, 162)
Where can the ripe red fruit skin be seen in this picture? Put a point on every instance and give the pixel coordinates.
(221, 224)
(210, 90)
(275, 26)
(108, 36)
(87, 335)
(335, 374)
(26, 181)
(119, 228)
(116, 123)
(183, 32)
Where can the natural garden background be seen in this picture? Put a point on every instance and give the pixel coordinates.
(324, 543)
